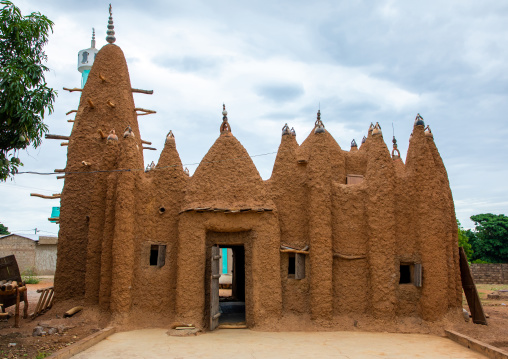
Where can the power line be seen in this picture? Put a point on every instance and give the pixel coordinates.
(40, 189)
(142, 169)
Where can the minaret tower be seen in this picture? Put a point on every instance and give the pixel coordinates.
(86, 58)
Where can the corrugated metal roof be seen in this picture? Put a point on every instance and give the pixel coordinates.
(32, 237)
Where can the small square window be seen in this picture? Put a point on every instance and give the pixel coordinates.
(296, 265)
(157, 255)
(411, 273)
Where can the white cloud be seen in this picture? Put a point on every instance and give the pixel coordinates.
(275, 62)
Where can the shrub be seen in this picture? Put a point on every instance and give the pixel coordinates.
(30, 277)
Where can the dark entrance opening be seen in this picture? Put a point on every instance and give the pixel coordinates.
(232, 286)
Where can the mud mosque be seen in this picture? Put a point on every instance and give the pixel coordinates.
(334, 237)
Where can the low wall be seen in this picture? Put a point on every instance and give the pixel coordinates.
(30, 254)
(490, 273)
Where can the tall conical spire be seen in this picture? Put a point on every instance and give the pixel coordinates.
(111, 32)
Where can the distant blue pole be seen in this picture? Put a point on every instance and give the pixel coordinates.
(224, 260)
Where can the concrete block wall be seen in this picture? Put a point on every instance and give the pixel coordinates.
(490, 273)
(45, 259)
(22, 248)
(39, 256)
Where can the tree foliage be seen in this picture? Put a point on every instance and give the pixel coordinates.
(464, 241)
(24, 94)
(490, 238)
(4, 230)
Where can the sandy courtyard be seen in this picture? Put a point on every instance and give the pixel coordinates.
(228, 343)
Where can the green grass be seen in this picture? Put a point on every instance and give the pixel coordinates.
(30, 277)
(42, 355)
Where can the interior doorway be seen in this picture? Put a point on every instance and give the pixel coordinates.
(231, 286)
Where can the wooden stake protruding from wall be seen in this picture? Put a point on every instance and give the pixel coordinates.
(101, 76)
(49, 136)
(146, 112)
(100, 132)
(64, 144)
(60, 177)
(71, 111)
(146, 142)
(148, 92)
(91, 103)
(150, 148)
(87, 164)
(58, 170)
(111, 104)
(54, 196)
(70, 120)
(73, 89)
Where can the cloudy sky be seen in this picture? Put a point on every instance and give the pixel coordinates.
(274, 62)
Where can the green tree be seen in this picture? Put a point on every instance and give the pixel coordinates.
(464, 241)
(490, 238)
(4, 230)
(24, 94)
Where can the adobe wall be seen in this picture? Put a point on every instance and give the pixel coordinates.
(487, 273)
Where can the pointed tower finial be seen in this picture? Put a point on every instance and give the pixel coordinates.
(319, 127)
(428, 132)
(419, 120)
(377, 129)
(225, 129)
(395, 151)
(364, 139)
(353, 143)
(170, 136)
(293, 132)
(111, 32)
(286, 130)
(93, 38)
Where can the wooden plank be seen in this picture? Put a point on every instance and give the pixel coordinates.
(299, 266)
(354, 179)
(161, 258)
(476, 345)
(417, 275)
(472, 296)
(293, 251)
(214, 287)
(83, 344)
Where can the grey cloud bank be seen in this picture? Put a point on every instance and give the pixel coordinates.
(273, 63)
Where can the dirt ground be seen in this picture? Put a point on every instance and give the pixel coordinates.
(19, 342)
(496, 332)
(84, 324)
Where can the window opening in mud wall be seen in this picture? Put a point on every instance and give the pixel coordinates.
(411, 273)
(157, 255)
(291, 265)
(296, 265)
